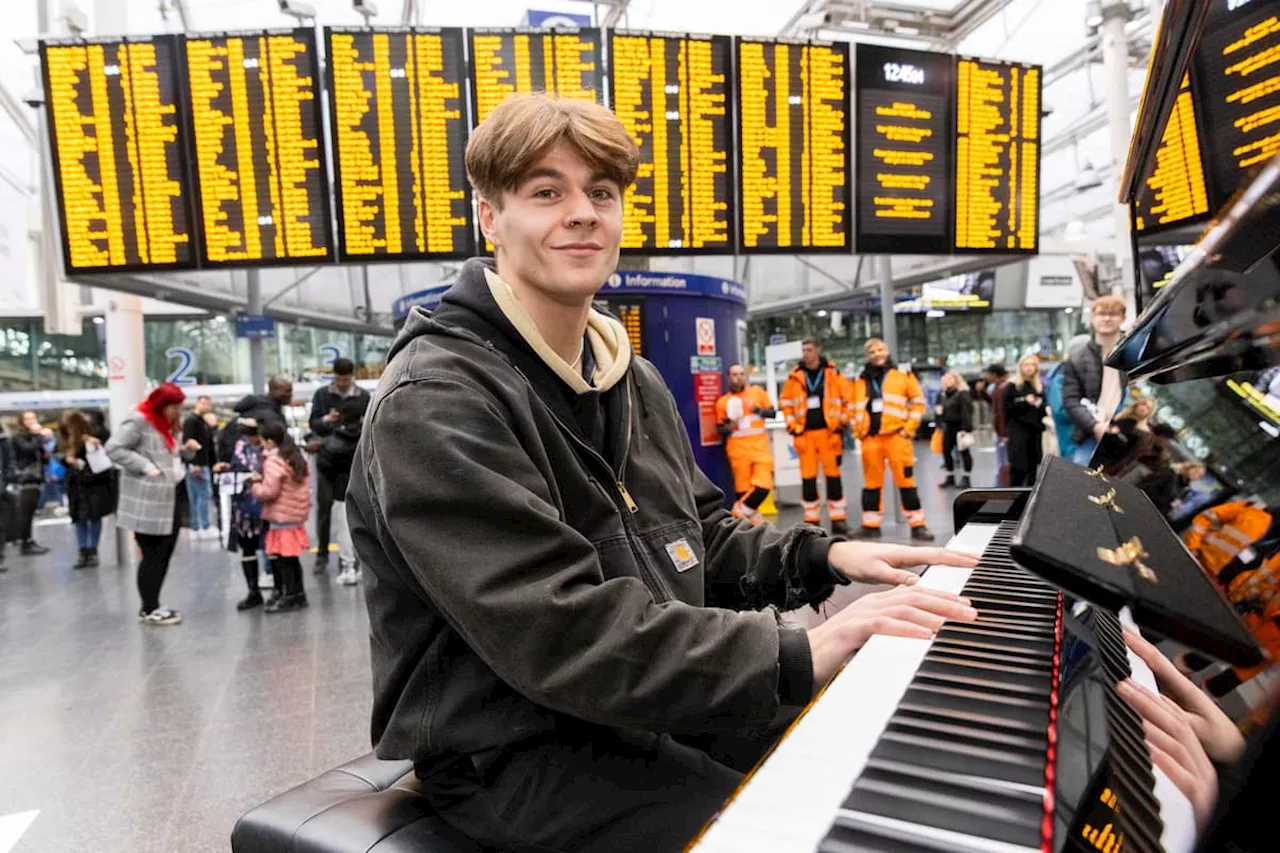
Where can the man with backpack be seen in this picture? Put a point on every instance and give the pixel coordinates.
(325, 419)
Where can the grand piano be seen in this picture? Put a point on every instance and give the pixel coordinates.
(1006, 735)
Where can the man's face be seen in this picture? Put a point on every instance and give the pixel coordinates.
(343, 382)
(559, 230)
(282, 391)
(877, 354)
(737, 378)
(203, 406)
(811, 354)
(1106, 321)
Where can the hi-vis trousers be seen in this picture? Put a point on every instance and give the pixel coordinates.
(896, 450)
(826, 447)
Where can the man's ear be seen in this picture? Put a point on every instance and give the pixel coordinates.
(488, 215)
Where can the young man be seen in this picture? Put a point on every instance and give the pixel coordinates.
(815, 403)
(1091, 393)
(740, 417)
(554, 588)
(886, 408)
(199, 477)
(326, 416)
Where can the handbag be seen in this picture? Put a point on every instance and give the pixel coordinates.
(935, 442)
(965, 440)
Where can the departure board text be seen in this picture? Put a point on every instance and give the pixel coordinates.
(793, 145)
(903, 177)
(117, 144)
(630, 312)
(671, 92)
(506, 61)
(997, 198)
(1237, 79)
(398, 112)
(1175, 191)
(255, 113)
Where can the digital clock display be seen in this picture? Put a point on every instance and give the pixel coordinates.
(895, 72)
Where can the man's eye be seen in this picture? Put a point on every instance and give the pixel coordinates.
(544, 193)
(602, 194)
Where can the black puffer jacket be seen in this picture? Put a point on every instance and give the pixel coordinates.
(517, 581)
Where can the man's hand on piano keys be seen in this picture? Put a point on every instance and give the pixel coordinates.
(872, 562)
(1220, 737)
(899, 612)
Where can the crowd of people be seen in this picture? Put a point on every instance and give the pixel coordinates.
(160, 472)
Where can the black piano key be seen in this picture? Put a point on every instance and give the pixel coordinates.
(994, 646)
(1018, 710)
(964, 630)
(931, 672)
(968, 733)
(846, 836)
(994, 719)
(954, 652)
(942, 663)
(987, 602)
(954, 757)
(950, 807)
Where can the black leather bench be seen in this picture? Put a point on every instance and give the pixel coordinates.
(366, 806)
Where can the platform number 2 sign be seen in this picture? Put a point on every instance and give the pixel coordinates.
(186, 361)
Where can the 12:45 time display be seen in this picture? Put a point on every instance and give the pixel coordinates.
(902, 73)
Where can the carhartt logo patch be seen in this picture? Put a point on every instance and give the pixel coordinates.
(682, 555)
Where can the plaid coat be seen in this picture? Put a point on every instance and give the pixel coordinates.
(146, 503)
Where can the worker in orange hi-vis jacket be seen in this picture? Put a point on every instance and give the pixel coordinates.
(1218, 535)
(740, 418)
(814, 401)
(885, 408)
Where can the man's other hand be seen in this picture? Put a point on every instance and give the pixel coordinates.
(872, 562)
(900, 612)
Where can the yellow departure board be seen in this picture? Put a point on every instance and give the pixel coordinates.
(1236, 74)
(793, 145)
(671, 92)
(1175, 191)
(508, 60)
(904, 175)
(117, 144)
(630, 312)
(997, 196)
(259, 158)
(397, 109)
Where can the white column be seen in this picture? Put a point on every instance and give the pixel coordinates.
(1115, 68)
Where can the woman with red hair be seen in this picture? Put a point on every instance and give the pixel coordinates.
(149, 451)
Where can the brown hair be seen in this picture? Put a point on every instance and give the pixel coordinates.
(523, 128)
(75, 427)
(813, 342)
(1108, 304)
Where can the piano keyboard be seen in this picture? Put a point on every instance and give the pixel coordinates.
(941, 745)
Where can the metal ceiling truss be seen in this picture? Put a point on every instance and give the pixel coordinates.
(942, 29)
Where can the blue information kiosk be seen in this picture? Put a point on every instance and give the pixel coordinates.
(690, 327)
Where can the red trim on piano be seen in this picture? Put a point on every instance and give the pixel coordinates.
(1051, 754)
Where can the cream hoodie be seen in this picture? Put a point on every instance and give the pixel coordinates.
(610, 345)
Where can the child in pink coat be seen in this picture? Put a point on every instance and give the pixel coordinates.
(284, 490)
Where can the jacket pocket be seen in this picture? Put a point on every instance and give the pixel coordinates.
(674, 555)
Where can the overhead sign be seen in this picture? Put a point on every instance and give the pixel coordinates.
(627, 281)
(428, 299)
(553, 20)
(255, 326)
(1052, 282)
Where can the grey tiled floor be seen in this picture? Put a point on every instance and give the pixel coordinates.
(130, 739)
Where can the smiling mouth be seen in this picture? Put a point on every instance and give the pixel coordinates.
(579, 248)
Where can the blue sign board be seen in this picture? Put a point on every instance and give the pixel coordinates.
(674, 284)
(558, 20)
(428, 299)
(255, 327)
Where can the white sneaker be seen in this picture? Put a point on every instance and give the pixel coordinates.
(348, 577)
(266, 581)
(160, 616)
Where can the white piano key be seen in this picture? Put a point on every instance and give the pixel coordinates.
(790, 801)
(1176, 812)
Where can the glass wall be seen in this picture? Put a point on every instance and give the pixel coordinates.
(962, 341)
(204, 349)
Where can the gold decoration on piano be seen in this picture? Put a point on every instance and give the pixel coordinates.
(1130, 553)
(1108, 500)
(1097, 472)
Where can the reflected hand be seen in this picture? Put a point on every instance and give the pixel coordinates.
(872, 562)
(1221, 739)
(1174, 747)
